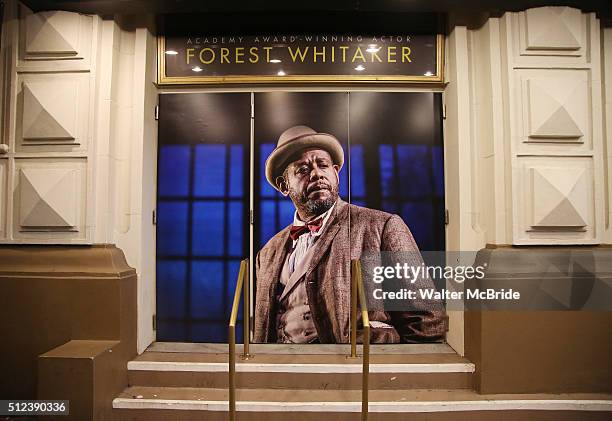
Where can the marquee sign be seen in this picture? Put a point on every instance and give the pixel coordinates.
(191, 59)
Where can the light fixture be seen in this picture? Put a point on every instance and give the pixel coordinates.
(373, 48)
(360, 68)
(428, 73)
(275, 60)
(197, 69)
(281, 73)
(171, 52)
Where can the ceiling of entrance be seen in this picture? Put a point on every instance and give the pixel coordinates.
(603, 7)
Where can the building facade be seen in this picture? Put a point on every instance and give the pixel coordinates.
(527, 152)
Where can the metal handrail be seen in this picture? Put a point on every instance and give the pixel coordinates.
(242, 285)
(358, 293)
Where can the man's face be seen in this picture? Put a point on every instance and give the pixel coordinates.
(311, 181)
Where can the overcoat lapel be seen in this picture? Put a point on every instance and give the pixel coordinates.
(326, 239)
(277, 265)
(325, 293)
(267, 284)
(313, 256)
(297, 274)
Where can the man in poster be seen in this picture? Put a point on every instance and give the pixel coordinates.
(303, 272)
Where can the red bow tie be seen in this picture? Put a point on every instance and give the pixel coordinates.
(313, 226)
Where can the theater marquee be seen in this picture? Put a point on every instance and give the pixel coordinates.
(191, 59)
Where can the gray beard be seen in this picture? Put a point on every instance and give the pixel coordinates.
(313, 208)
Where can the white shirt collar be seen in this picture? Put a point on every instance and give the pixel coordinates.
(298, 222)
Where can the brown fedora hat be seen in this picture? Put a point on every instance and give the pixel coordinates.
(293, 140)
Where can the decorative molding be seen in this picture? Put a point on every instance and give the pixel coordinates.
(555, 201)
(553, 28)
(559, 198)
(557, 115)
(52, 33)
(48, 198)
(554, 87)
(53, 112)
(49, 121)
(50, 110)
(55, 41)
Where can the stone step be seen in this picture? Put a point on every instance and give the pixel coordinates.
(416, 371)
(183, 403)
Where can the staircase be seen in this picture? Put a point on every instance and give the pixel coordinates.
(436, 385)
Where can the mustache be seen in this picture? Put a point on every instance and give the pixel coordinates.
(318, 185)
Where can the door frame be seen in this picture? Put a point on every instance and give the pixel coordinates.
(455, 334)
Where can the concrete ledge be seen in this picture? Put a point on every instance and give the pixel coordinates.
(81, 349)
(299, 368)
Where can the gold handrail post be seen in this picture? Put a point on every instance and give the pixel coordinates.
(354, 268)
(232, 373)
(232, 336)
(246, 314)
(366, 345)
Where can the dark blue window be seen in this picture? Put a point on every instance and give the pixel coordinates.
(202, 233)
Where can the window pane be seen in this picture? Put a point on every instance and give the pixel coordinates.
(414, 170)
(173, 171)
(237, 169)
(172, 228)
(387, 179)
(419, 217)
(266, 189)
(207, 289)
(171, 277)
(357, 172)
(236, 229)
(209, 177)
(267, 218)
(287, 211)
(437, 157)
(208, 228)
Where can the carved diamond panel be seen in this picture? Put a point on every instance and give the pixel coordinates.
(48, 197)
(559, 198)
(558, 108)
(53, 32)
(50, 200)
(55, 40)
(555, 201)
(554, 111)
(52, 112)
(553, 28)
(49, 110)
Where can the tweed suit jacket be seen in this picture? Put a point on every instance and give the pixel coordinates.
(350, 231)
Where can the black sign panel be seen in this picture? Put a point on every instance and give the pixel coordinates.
(200, 58)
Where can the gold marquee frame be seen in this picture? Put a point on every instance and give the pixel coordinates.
(163, 80)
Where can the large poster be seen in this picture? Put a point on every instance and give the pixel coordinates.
(336, 176)
(341, 175)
